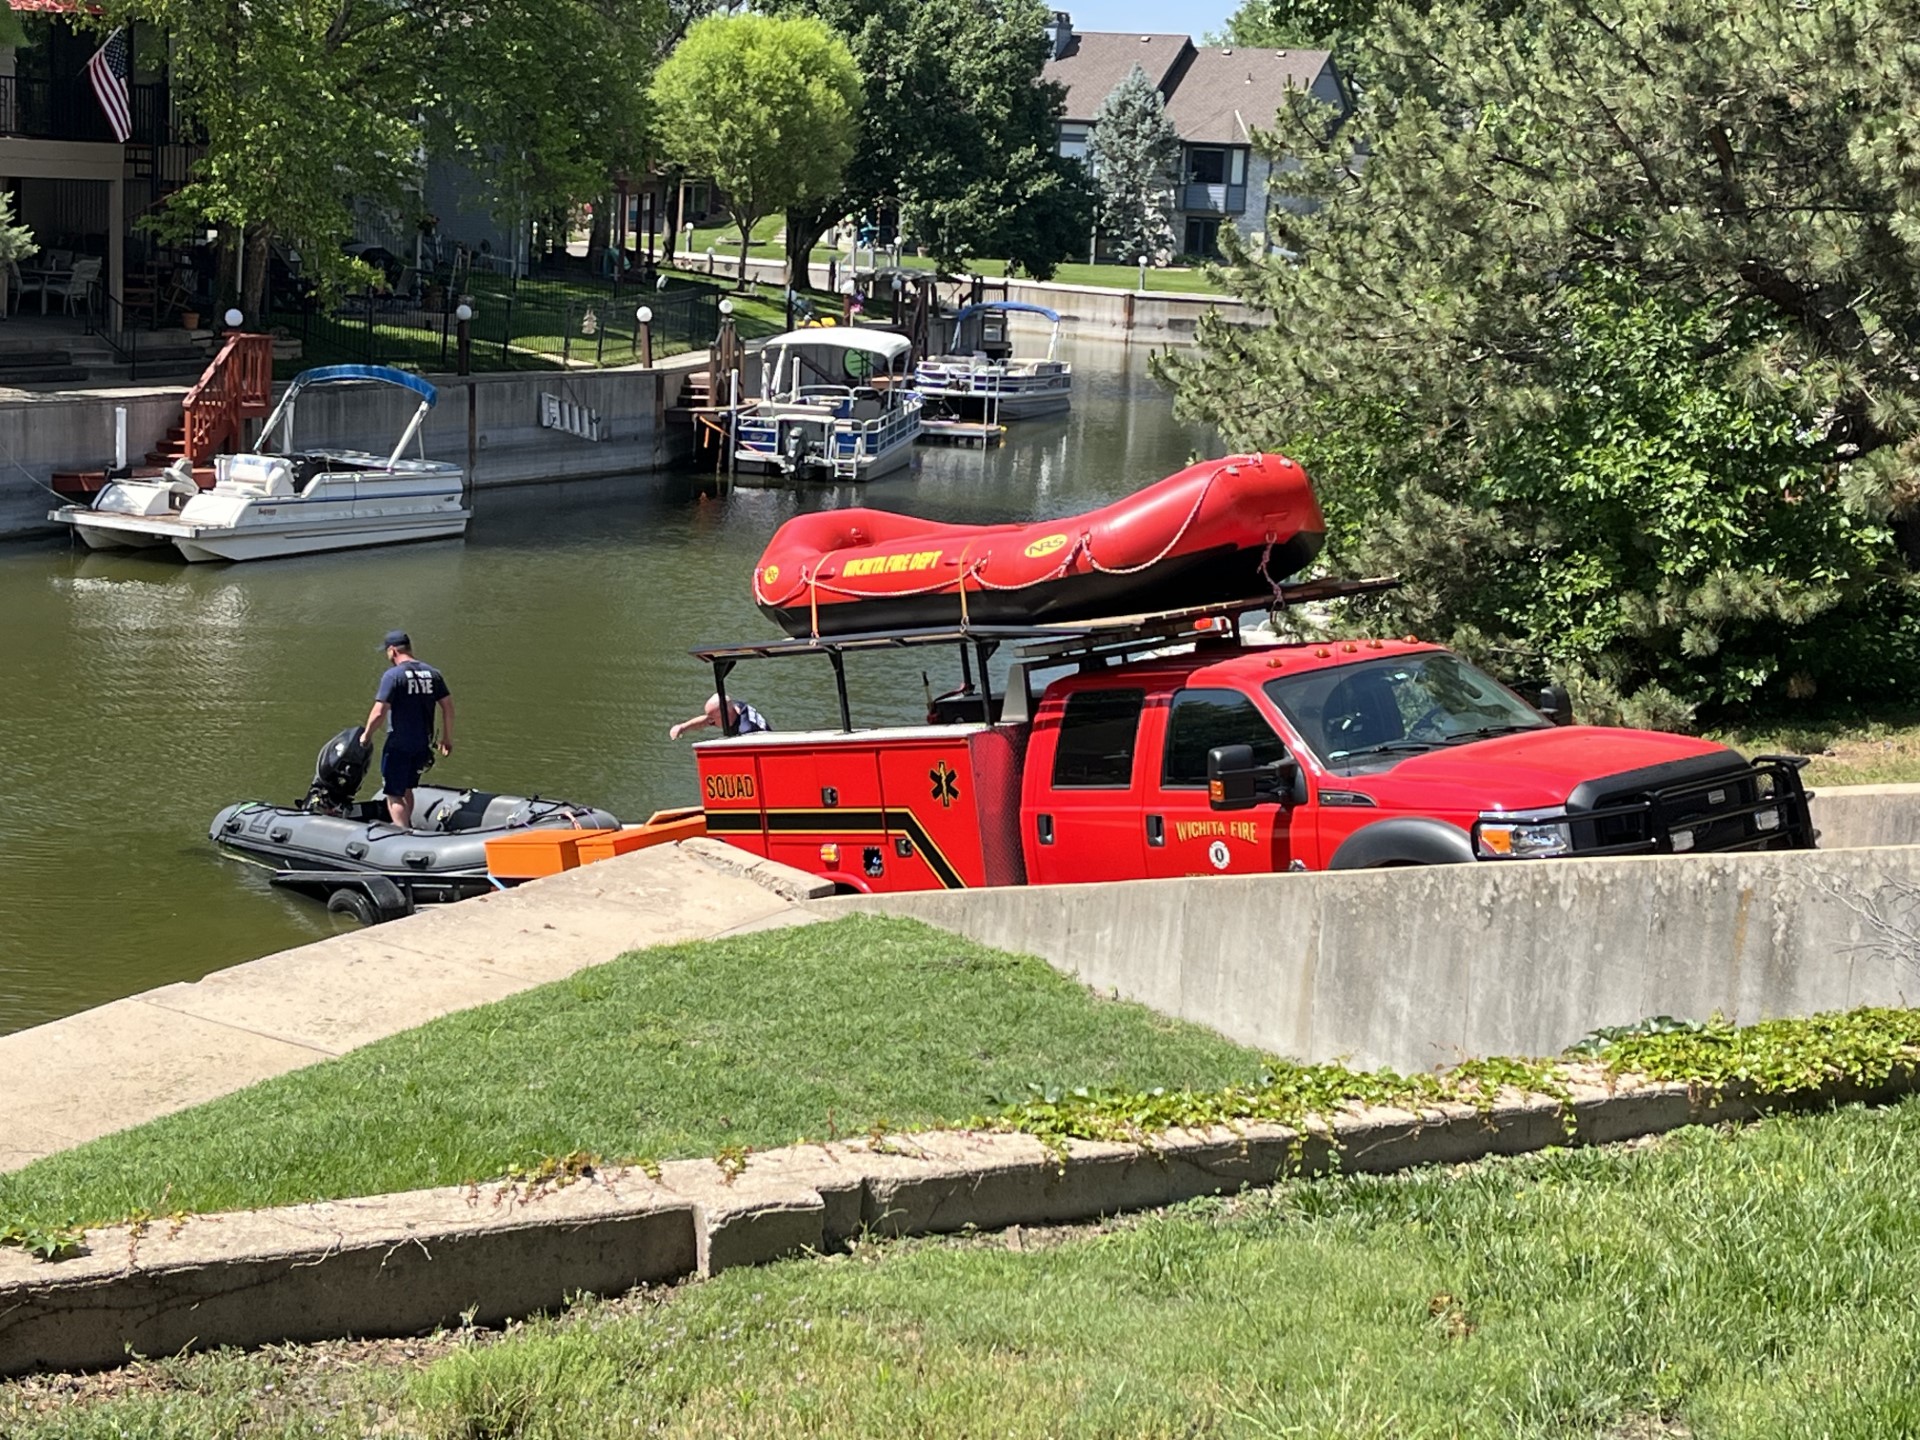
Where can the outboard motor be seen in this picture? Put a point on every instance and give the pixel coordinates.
(337, 773)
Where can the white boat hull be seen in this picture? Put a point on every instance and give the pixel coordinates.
(812, 443)
(995, 390)
(250, 544)
(255, 513)
(100, 537)
(1013, 405)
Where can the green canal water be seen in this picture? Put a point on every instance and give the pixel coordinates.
(142, 695)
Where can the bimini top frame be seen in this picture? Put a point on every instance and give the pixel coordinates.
(337, 374)
(1053, 340)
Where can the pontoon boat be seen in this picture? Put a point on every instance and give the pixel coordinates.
(837, 406)
(982, 379)
(282, 501)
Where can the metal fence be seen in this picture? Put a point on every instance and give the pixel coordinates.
(535, 323)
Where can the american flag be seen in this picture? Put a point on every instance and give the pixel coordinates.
(108, 72)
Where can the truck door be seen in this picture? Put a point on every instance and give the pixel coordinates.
(1083, 818)
(1183, 834)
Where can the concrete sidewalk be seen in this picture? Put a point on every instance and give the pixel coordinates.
(152, 1054)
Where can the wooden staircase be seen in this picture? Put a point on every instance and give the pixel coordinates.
(235, 388)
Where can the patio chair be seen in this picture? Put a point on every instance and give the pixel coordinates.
(78, 284)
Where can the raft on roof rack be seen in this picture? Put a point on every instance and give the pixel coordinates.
(1212, 533)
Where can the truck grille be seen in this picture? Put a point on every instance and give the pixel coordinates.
(1684, 808)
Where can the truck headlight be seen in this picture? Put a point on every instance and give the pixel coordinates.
(1504, 838)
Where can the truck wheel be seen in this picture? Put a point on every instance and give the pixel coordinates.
(352, 902)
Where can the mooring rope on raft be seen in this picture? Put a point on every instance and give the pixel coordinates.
(975, 571)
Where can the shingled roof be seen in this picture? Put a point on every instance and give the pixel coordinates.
(1096, 61)
(1226, 93)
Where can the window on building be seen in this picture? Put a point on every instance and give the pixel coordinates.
(1097, 735)
(1203, 239)
(1207, 167)
(1073, 141)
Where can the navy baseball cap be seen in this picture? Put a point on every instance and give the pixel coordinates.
(396, 640)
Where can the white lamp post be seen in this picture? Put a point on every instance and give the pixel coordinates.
(726, 307)
(463, 316)
(645, 316)
(233, 319)
(709, 261)
(1143, 274)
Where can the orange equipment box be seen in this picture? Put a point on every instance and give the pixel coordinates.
(662, 827)
(529, 854)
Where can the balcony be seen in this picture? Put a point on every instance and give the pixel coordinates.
(69, 110)
(1198, 198)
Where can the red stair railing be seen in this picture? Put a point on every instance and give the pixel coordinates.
(237, 386)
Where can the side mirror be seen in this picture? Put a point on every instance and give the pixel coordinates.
(1234, 782)
(1554, 704)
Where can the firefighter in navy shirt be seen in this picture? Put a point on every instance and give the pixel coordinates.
(407, 695)
(746, 719)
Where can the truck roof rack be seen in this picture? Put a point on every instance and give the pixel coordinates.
(1063, 643)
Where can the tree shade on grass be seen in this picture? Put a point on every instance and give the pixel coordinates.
(1749, 1283)
(681, 1051)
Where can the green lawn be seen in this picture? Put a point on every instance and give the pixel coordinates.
(681, 1051)
(541, 324)
(725, 242)
(1842, 750)
(1750, 1283)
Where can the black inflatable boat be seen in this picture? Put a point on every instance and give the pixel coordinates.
(347, 852)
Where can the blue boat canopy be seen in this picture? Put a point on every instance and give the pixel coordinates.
(385, 374)
(1007, 305)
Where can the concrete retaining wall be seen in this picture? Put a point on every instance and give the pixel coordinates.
(1152, 315)
(400, 1264)
(1416, 968)
(1157, 315)
(492, 422)
(1853, 817)
(40, 434)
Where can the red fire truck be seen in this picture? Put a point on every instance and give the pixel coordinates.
(1174, 745)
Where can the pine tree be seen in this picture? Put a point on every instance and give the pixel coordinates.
(1133, 152)
(1612, 345)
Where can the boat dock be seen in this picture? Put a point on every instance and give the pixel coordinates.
(962, 432)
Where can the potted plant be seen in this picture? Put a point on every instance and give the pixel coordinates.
(189, 319)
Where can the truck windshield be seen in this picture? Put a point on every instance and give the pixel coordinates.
(1399, 705)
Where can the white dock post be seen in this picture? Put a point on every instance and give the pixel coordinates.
(733, 420)
(119, 437)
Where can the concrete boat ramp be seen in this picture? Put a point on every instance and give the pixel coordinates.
(149, 1055)
(1398, 968)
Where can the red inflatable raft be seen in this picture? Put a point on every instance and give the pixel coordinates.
(1220, 530)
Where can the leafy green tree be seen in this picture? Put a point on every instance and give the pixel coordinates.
(1610, 343)
(765, 105)
(1134, 152)
(16, 241)
(545, 99)
(311, 106)
(958, 136)
(1285, 24)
